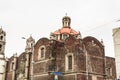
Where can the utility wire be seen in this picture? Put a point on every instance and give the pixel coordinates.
(101, 26)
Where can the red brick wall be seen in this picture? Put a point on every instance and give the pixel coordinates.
(9, 76)
(41, 78)
(97, 65)
(96, 62)
(100, 78)
(42, 41)
(9, 72)
(81, 77)
(110, 63)
(69, 77)
(39, 68)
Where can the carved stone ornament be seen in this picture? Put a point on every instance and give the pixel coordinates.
(20, 76)
(21, 70)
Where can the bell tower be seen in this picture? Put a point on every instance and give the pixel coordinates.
(30, 42)
(2, 42)
(2, 54)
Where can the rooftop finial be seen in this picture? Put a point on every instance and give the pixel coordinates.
(31, 34)
(66, 14)
(102, 42)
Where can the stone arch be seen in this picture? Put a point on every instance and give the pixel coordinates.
(93, 46)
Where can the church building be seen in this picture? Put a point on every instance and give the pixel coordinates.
(63, 56)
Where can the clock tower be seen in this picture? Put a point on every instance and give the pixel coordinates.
(2, 55)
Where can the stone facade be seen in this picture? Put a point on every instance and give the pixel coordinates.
(116, 39)
(2, 54)
(65, 56)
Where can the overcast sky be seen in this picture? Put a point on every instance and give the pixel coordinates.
(22, 18)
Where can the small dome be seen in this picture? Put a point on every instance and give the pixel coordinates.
(66, 17)
(66, 31)
(66, 20)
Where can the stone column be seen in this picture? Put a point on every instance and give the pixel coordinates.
(14, 67)
(26, 67)
(2, 69)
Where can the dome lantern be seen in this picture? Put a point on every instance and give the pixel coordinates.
(66, 21)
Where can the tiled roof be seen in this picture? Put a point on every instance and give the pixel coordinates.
(66, 30)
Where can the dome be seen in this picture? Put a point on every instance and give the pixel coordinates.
(66, 20)
(66, 31)
(66, 17)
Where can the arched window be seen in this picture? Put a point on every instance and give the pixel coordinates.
(11, 66)
(69, 60)
(64, 36)
(1, 37)
(41, 52)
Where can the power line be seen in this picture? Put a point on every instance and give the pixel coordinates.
(101, 26)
